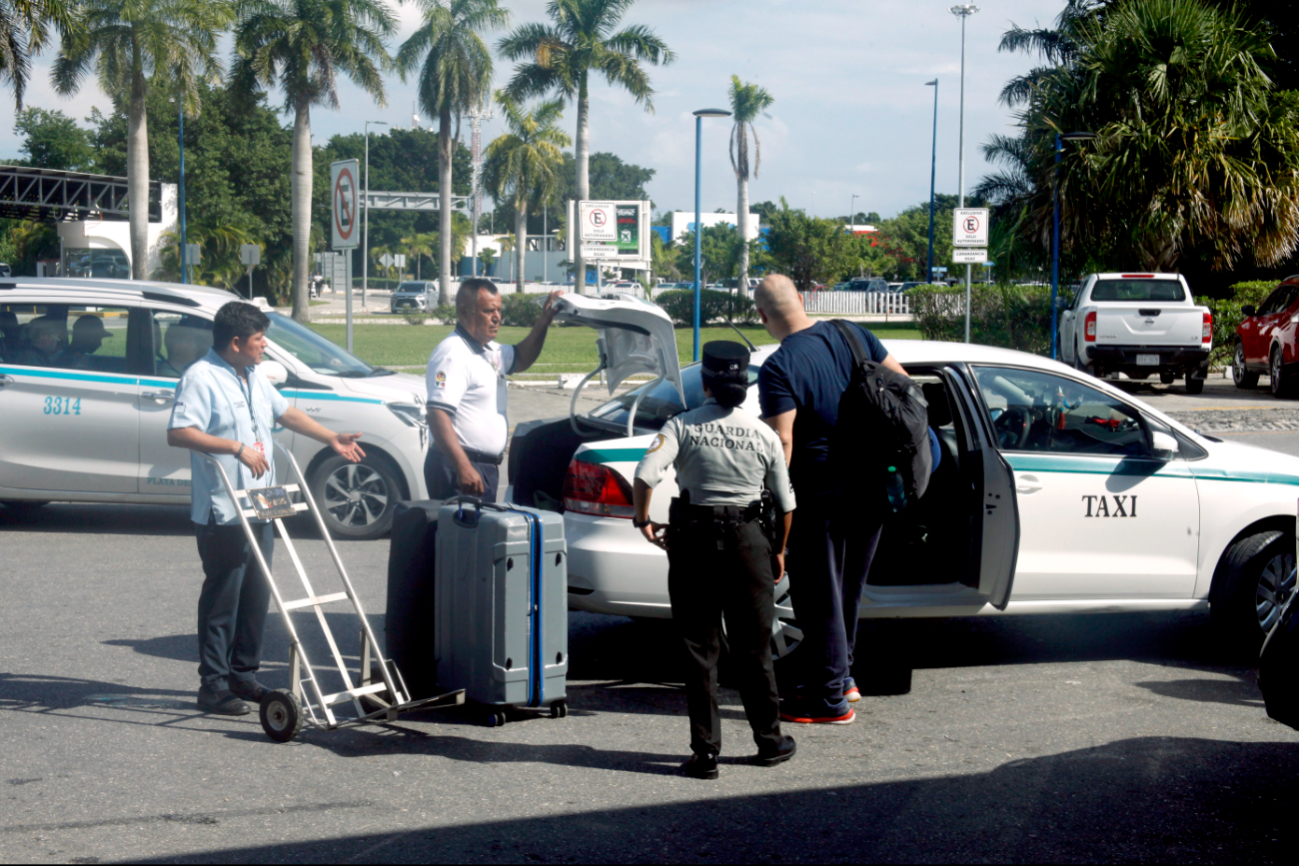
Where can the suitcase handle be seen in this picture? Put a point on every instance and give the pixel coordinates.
(478, 505)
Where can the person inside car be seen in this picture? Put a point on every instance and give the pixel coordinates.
(88, 335)
(185, 345)
(47, 340)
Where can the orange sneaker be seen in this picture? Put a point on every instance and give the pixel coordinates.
(851, 693)
(799, 717)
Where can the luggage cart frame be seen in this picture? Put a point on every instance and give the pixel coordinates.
(282, 709)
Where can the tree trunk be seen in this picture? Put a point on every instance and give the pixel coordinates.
(300, 192)
(444, 206)
(742, 226)
(582, 154)
(137, 171)
(520, 240)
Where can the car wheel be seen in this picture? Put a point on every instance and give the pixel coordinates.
(1194, 385)
(1281, 386)
(1253, 582)
(1240, 375)
(1167, 377)
(356, 499)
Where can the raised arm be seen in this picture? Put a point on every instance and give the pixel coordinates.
(526, 352)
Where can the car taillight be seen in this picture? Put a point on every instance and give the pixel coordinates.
(1207, 335)
(1089, 328)
(593, 489)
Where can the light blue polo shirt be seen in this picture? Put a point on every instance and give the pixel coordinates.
(212, 397)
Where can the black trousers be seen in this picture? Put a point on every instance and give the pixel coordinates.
(716, 570)
(440, 476)
(233, 603)
(830, 554)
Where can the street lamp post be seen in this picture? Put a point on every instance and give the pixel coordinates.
(699, 234)
(852, 210)
(963, 11)
(365, 229)
(933, 169)
(180, 114)
(1055, 230)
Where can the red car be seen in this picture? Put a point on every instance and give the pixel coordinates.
(1266, 341)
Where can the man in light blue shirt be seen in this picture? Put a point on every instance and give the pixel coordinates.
(226, 409)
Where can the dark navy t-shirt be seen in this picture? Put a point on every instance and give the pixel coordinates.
(808, 374)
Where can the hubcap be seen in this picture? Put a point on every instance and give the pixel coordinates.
(1275, 585)
(277, 716)
(356, 495)
(1275, 372)
(1238, 368)
(785, 634)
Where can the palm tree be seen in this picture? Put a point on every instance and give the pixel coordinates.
(24, 31)
(747, 102)
(559, 58)
(420, 245)
(523, 166)
(455, 76)
(134, 45)
(301, 46)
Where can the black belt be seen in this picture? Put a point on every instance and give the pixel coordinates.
(484, 457)
(721, 513)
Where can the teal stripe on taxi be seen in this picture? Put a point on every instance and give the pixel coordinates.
(70, 375)
(1081, 465)
(611, 455)
(327, 395)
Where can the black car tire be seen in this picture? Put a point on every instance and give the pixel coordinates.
(368, 514)
(1253, 580)
(1194, 385)
(1280, 382)
(1240, 375)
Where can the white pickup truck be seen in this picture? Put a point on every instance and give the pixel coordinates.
(1137, 324)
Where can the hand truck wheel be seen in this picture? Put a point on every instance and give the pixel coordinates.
(495, 718)
(281, 714)
(559, 710)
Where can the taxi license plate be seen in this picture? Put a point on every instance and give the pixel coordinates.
(1147, 360)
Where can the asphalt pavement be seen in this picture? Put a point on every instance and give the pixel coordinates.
(1086, 738)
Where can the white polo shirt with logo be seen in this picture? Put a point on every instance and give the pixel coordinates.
(467, 381)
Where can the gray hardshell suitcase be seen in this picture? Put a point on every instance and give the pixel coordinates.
(502, 606)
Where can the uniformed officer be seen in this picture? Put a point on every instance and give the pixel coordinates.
(720, 560)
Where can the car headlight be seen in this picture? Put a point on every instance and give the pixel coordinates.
(412, 415)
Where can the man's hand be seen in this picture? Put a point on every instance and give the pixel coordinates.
(255, 460)
(656, 534)
(780, 567)
(468, 481)
(345, 445)
(549, 309)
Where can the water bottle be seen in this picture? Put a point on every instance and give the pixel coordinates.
(896, 490)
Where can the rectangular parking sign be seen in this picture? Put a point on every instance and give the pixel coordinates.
(344, 208)
(970, 227)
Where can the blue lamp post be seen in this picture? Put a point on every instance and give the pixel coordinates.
(699, 234)
(1055, 231)
(184, 266)
(933, 169)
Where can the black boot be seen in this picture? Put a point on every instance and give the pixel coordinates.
(701, 766)
(771, 756)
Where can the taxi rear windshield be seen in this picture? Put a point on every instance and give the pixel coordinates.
(1138, 290)
(660, 401)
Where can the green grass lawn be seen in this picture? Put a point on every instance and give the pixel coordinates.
(568, 350)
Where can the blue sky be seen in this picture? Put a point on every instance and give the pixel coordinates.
(851, 116)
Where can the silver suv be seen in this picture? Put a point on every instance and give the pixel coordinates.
(88, 373)
(415, 295)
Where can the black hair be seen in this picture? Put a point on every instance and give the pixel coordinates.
(728, 389)
(467, 295)
(237, 319)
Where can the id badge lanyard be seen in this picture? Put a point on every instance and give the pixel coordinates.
(248, 398)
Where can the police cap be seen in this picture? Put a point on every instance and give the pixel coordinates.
(725, 357)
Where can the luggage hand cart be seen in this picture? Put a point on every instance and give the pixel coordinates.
(282, 709)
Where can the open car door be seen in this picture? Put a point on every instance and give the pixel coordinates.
(634, 336)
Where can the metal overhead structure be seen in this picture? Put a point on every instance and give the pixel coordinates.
(417, 201)
(55, 196)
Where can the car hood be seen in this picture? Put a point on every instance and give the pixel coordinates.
(633, 335)
(396, 388)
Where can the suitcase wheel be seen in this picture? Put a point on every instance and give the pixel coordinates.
(559, 709)
(494, 718)
(281, 715)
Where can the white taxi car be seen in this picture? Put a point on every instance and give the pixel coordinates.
(1086, 499)
(88, 372)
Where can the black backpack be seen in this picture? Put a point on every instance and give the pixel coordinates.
(882, 431)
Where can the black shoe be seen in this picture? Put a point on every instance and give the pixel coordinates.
(701, 766)
(770, 757)
(248, 690)
(222, 702)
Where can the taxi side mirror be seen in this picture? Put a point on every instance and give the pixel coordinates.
(275, 372)
(1248, 310)
(1163, 446)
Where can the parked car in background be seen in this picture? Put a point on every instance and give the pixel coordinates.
(868, 284)
(5, 270)
(1138, 324)
(910, 284)
(1267, 341)
(421, 295)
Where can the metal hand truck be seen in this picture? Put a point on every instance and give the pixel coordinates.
(282, 709)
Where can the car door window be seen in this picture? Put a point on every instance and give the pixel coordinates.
(1036, 411)
(1271, 303)
(68, 337)
(179, 339)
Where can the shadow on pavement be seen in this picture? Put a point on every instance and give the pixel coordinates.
(1241, 693)
(106, 519)
(1152, 799)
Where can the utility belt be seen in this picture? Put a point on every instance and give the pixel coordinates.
(484, 457)
(682, 513)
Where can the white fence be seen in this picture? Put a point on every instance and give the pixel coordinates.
(858, 303)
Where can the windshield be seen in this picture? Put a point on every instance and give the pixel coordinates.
(410, 289)
(660, 402)
(314, 350)
(1138, 290)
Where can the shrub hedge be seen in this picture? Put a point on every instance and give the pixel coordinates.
(520, 310)
(680, 305)
(1013, 317)
(1227, 315)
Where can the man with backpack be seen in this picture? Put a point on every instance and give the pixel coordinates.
(838, 525)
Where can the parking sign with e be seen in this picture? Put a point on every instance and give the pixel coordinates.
(970, 227)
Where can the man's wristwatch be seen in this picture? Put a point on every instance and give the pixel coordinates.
(640, 524)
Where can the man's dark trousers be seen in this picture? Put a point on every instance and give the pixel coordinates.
(440, 476)
(234, 602)
(705, 581)
(830, 554)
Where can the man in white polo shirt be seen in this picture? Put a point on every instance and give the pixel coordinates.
(467, 393)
